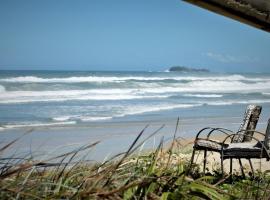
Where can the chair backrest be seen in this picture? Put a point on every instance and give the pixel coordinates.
(250, 121)
(267, 135)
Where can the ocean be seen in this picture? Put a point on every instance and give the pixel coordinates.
(76, 100)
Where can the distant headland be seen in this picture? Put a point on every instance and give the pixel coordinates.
(186, 69)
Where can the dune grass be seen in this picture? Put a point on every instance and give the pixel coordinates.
(160, 174)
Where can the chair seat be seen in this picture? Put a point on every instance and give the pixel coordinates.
(242, 146)
(212, 145)
(243, 150)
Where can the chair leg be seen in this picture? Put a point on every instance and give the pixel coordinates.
(241, 167)
(231, 166)
(251, 167)
(192, 157)
(191, 161)
(231, 163)
(204, 161)
(222, 162)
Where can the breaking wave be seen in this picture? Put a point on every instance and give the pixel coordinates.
(125, 111)
(81, 79)
(134, 110)
(67, 95)
(90, 97)
(204, 95)
(200, 89)
(33, 125)
(81, 118)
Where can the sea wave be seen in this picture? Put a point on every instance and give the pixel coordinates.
(190, 89)
(2, 88)
(90, 97)
(61, 118)
(204, 95)
(67, 95)
(231, 102)
(33, 125)
(134, 110)
(83, 118)
(89, 119)
(81, 79)
(208, 86)
(221, 103)
(125, 111)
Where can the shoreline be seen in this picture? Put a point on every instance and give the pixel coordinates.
(114, 137)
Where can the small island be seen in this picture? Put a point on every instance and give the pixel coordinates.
(186, 69)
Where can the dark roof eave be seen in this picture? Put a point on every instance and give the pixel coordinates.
(237, 11)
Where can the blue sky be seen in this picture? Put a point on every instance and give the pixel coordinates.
(126, 35)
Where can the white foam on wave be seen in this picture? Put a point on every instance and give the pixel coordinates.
(204, 95)
(89, 119)
(214, 78)
(134, 110)
(83, 118)
(221, 103)
(255, 101)
(208, 86)
(231, 102)
(66, 95)
(34, 79)
(33, 125)
(141, 92)
(126, 111)
(61, 118)
(81, 79)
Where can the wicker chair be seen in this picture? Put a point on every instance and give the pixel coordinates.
(249, 150)
(249, 123)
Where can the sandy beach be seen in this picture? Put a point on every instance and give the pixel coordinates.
(114, 137)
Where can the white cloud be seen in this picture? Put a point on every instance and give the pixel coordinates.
(231, 59)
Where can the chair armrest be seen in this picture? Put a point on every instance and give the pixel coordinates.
(220, 130)
(202, 131)
(212, 130)
(254, 131)
(242, 133)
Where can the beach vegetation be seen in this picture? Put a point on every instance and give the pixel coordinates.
(164, 173)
